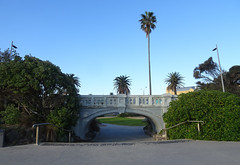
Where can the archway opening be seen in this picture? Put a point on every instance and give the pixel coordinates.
(121, 128)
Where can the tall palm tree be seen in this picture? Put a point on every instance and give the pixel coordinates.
(147, 25)
(174, 80)
(122, 84)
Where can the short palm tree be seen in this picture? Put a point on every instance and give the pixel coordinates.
(174, 80)
(74, 79)
(122, 84)
(147, 25)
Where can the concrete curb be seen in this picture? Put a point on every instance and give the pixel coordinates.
(113, 143)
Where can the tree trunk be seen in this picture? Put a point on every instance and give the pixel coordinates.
(175, 90)
(149, 66)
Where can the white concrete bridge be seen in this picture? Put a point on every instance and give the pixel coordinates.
(92, 106)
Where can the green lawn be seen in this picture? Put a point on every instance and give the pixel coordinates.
(122, 121)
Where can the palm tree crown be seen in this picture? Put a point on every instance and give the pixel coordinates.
(147, 22)
(122, 84)
(174, 80)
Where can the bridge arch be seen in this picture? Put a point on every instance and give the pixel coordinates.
(84, 123)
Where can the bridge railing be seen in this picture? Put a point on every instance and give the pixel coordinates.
(122, 100)
(164, 131)
(43, 124)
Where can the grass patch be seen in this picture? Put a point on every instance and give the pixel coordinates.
(122, 121)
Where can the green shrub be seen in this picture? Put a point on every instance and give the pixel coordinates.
(61, 119)
(219, 111)
(127, 115)
(11, 115)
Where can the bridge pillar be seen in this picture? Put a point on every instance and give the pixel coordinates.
(81, 129)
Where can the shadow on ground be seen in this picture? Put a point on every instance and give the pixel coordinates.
(117, 133)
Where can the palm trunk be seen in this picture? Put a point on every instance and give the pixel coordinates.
(149, 66)
(175, 90)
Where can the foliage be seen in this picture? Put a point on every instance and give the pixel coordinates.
(94, 126)
(122, 84)
(219, 111)
(42, 92)
(11, 115)
(232, 80)
(174, 80)
(127, 115)
(207, 71)
(6, 56)
(60, 118)
(209, 74)
(15, 135)
(148, 22)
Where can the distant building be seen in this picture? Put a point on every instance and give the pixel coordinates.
(182, 90)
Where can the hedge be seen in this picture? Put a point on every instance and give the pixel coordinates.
(219, 111)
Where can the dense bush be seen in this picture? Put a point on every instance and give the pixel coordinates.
(15, 135)
(219, 111)
(10, 115)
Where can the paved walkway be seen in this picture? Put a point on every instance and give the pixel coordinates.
(140, 153)
(121, 145)
(118, 133)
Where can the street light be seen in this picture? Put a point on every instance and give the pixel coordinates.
(219, 67)
(143, 89)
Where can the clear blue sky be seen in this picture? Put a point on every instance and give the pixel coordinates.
(98, 40)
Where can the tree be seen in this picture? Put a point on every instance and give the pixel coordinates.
(207, 72)
(122, 84)
(232, 80)
(6, 56)
(174, 80)
(210, 79)
(147, 25)
(40, 90)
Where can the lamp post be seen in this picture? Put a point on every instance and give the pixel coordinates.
(143, 89)
(220, 68)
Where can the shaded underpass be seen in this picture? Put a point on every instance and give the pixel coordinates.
(118, 133)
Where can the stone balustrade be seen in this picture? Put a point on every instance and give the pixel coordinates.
(123, 100)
